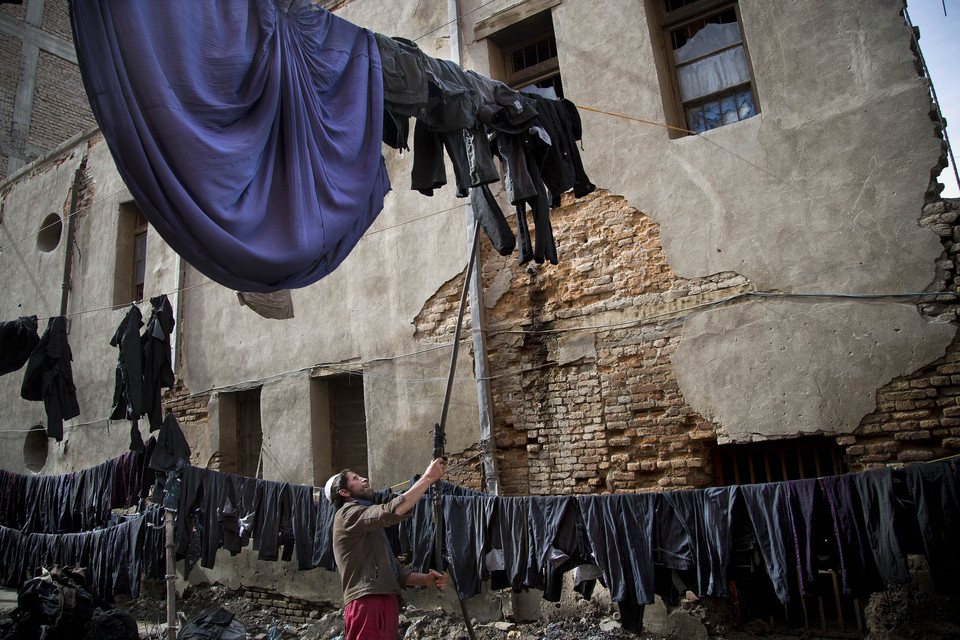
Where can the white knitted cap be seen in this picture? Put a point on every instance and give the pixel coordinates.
(328, 489)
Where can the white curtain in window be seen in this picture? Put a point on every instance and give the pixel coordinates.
(713, 74)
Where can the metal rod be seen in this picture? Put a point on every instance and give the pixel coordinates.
(456, 330)
(439, 436)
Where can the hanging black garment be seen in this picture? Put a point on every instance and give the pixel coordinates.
(49, 377)
(935, 488)
(620, 530)
(467, 521)
(487, 212)
(562, 169)
(128, 388)
(18, 339)
(769, 514)
(858, 573)
(171, 446)
(701, 538)
(157, 366)
(879, 504)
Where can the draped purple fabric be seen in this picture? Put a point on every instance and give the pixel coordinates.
(248, 131)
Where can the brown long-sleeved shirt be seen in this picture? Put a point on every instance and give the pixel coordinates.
(363, 555)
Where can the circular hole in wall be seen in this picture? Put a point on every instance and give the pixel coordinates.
(49, 235)
(35, 448)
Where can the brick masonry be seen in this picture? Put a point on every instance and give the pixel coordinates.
(614, 419)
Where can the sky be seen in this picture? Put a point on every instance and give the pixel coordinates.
(940, 44)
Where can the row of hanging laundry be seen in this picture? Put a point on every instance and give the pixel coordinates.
(70, 519)
(143, 368)
(257, 155)
(117, 557)
(860, 525)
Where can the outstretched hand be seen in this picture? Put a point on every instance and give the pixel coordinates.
(435, 470)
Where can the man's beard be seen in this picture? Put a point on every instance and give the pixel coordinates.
(363, 494)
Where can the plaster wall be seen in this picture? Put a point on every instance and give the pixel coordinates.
(31, 281)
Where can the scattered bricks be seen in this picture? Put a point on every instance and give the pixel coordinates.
(940, 381)
(649, 467)
(951, 443)
(844, 441)
(856, 450)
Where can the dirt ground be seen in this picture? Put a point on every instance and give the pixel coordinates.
(902, 612)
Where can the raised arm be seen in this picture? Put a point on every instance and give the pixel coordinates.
(411, 495)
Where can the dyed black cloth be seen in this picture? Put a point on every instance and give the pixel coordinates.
(488, 213)
(702, 540)
(769, 516)
(467, 521)
(18, 339)
(858, 572)
(128, 385)
(157, 366)
(935, 488)
(879, 504)
(620, 530)
(562, 168)
(49, 377)
(171, 447)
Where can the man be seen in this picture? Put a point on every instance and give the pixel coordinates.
(369, 574)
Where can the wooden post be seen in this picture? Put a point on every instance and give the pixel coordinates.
(171, 577)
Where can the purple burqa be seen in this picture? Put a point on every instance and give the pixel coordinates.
(248, 131)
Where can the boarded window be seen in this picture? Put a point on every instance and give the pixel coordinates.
(241, 433)
(339, 426)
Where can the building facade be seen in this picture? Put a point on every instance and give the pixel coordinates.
(761, 287)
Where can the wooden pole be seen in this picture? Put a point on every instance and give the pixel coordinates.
(171, 577)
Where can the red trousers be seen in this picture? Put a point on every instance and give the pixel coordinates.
(373, 617)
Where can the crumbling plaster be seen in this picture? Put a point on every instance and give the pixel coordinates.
(819, 193)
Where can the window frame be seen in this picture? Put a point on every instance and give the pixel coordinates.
(670, 21)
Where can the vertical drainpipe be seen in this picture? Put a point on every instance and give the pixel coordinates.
(177, 336)
(71, 226)
(480, 365)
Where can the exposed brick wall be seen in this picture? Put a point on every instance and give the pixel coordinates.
(191, 412)
(614, 419)
(60, 107)
(9, 78)
(56, 19)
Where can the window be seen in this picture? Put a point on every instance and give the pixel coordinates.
(241, 433)
(339, 426)
(777, 461)
(709, 63)
(526, 47)
(131, 262)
